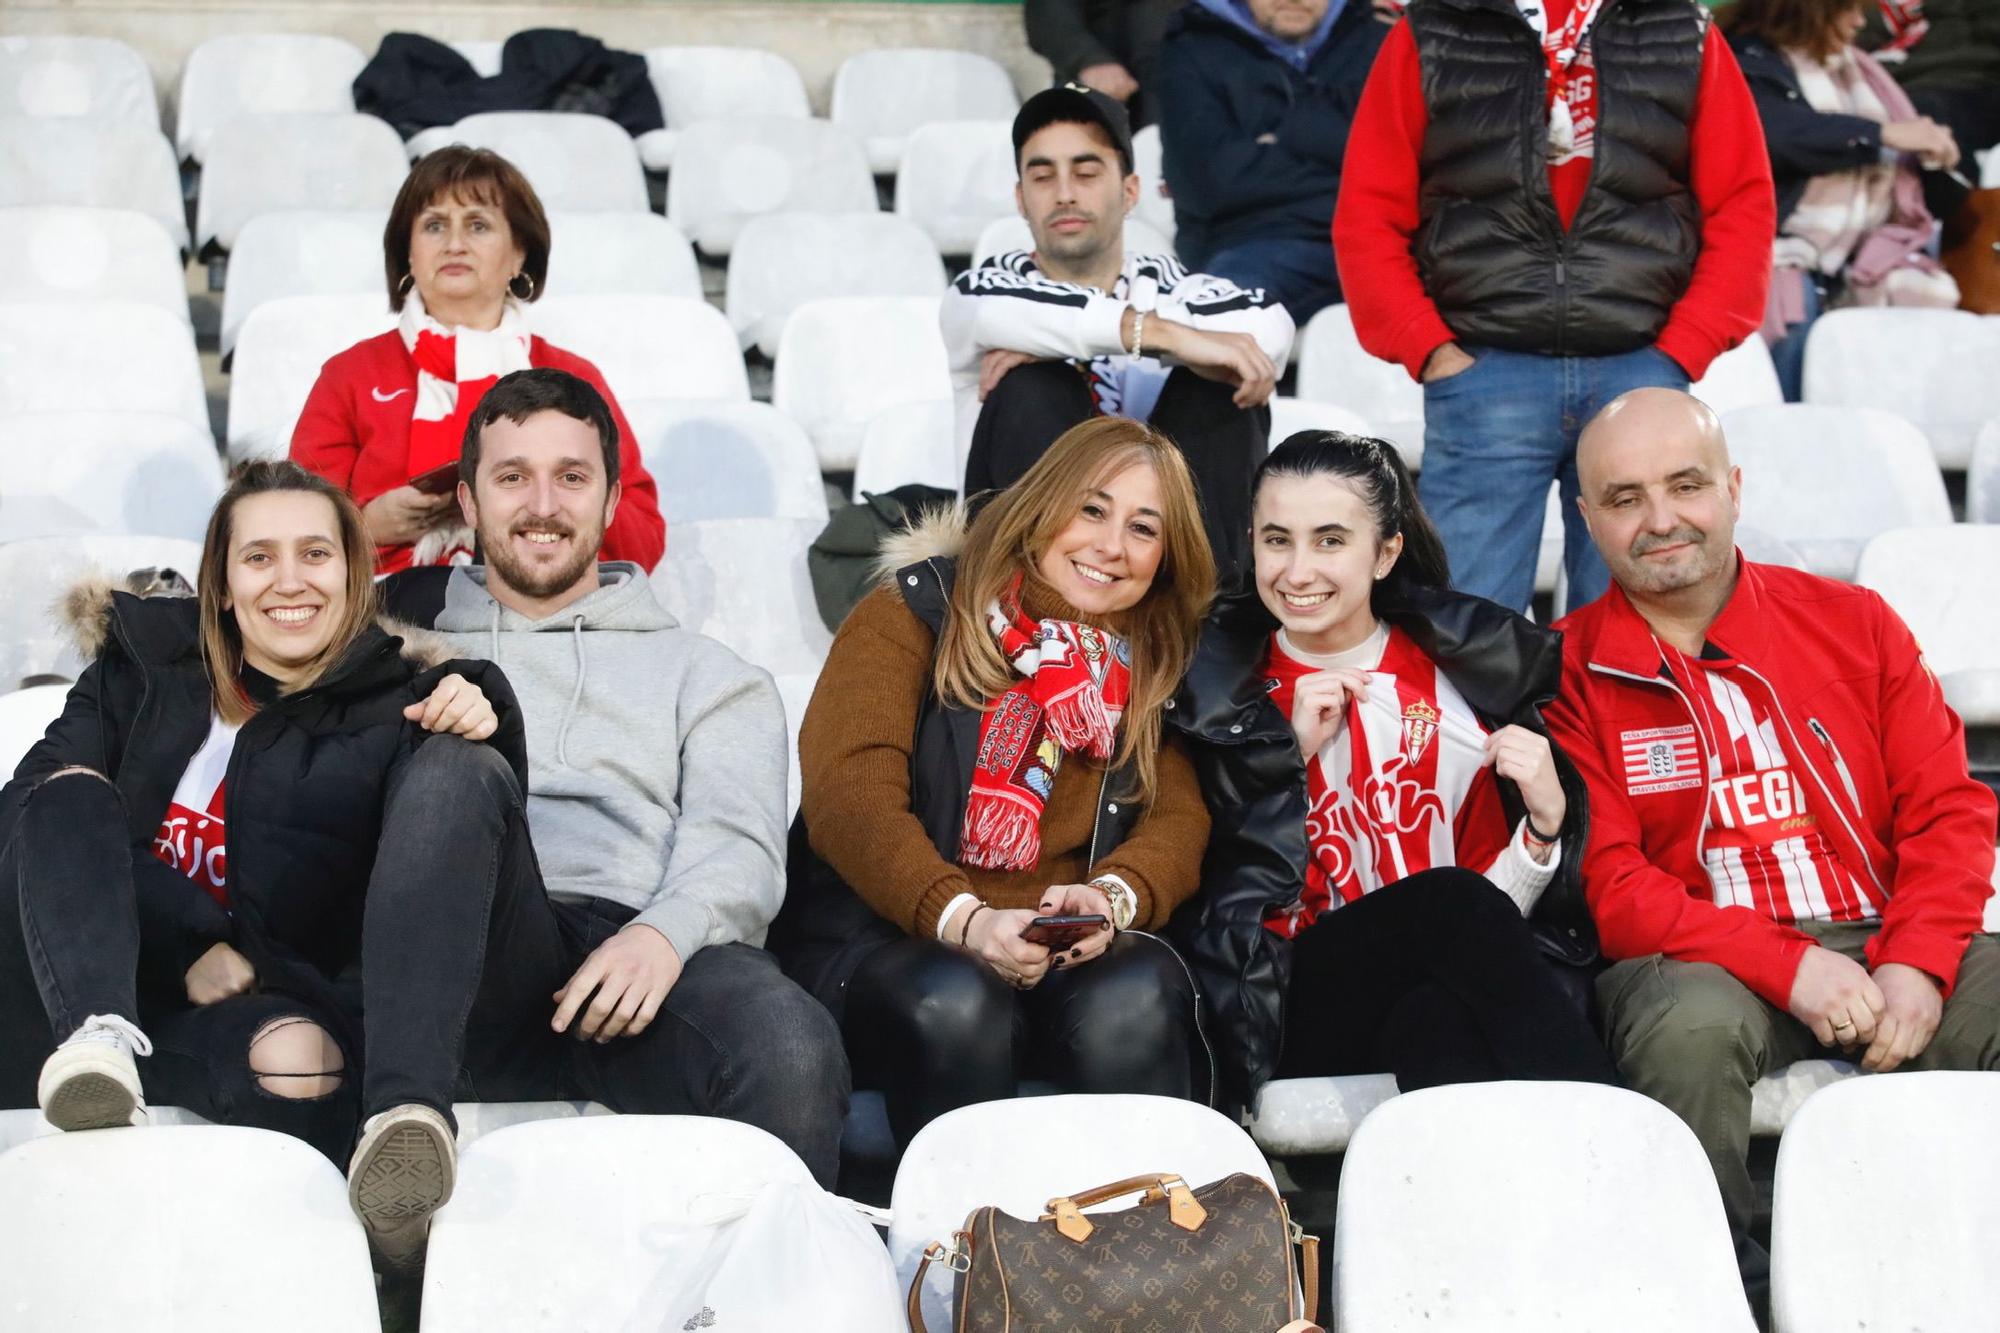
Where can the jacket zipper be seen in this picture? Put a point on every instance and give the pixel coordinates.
(1839, 764)
(1831, 800)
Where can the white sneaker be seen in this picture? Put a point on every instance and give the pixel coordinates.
(403, 1170)
(91, 1081)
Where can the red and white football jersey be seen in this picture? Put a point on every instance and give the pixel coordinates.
(192, 836)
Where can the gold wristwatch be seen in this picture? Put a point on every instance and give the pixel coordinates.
(1124, 902)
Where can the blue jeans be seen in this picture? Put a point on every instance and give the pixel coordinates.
(1299, 274)
(1495, 435)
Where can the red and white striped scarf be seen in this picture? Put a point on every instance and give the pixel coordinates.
(1075, 682)
(1906, 24)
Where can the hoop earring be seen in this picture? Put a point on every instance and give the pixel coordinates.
(528, 295)
(403, 287)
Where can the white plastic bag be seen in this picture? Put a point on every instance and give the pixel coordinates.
(788, 1256)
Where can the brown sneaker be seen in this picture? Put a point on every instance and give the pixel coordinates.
(403, 1171)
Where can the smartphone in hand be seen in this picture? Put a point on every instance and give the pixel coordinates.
(1058, 933)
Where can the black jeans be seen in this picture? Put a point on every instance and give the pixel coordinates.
(69, 948)
(1223, 443)
(1436, 979)
(734, 1038)
(936, 1029)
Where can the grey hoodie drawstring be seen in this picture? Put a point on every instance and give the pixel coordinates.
(569, 715)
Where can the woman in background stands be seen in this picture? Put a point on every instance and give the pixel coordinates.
(467, 244)
(985, 747)
(1396, 841)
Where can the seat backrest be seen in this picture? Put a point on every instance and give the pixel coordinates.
(1011, 233)
(301, 253)
(620, 253)
(299, 160)
(783, 260)
(255, 74)
(648, 346)
(25, 716)
(84, 471)
(62, 252)
(1743, 376)
(1289, 416)
(1483, 1208)
(728, 171)
(957, 176)
(883, 96)
(1982, 476)
(910, 442)
(1932, 367)
(842, 361)
(1826, 479)
(743, 582)
(279, 354)
(727, 460)
(562, 1223)
(1940, 580)
(577, 163)
(1334, 368)
(1156, 206)
(36, 572)
(73, 1199)
(77, 76)
(697, 83)
(483, 54)
(1877, 1223)
(91, 164)
(139, 359)
(960, 1161)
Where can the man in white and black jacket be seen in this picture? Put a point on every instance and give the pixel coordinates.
(1042, 339)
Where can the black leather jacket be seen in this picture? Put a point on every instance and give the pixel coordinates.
(1254, 779)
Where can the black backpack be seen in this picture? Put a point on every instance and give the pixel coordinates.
(841, 561)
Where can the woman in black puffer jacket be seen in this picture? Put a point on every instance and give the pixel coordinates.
(1394, 841)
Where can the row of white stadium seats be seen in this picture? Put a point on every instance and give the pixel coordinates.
(1471, 1209)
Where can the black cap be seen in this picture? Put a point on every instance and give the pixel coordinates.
(1072, 103)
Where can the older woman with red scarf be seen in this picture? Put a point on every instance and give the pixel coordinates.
(467, 245)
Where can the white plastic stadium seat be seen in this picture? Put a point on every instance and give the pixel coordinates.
(1826, 479)
(1989, 168)
(562, 1223)
(301, 253)
(911, 442)
(138, 473)
(77, 76)
(1743, 376)
(37, 572)
(1877, 1225)
(729, 171)
(279, 353)
(1289, 416)
(783, 260)
(1011, 233)
(619, 253)
(25, 716)
(1933, 367)
(280, 163)
(957, 176)
(1982, 476)
(64, 252)
(212, 1227)
(1333, 368)
(1156, 206)
(258, 75)
(727, 460)
(697, 83)
(842, 361)
(795, 691)
(1495, 1207)
(648, 346)
(90, 164)
(882, 97)
(742, 581)
(1941, 582)
(53, 356)
(577, 163)
(483, 54)
(968, 1157)
(475, 1119)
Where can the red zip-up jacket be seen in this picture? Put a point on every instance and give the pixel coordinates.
(1376, 217)
(355, 432)
(1859, 710)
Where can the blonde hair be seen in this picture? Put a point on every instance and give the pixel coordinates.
(221, 639)
(1012, 533)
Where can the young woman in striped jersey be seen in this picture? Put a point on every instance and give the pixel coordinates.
(1393, 862)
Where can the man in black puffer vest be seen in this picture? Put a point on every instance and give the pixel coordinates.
(1546, 203)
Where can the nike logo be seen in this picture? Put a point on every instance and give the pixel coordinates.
(381, 397)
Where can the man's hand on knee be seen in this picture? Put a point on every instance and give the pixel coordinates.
(1914, 1007)
(1835, 997)
(994, 365)
(620, 987)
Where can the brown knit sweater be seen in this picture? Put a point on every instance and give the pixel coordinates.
(854, 761)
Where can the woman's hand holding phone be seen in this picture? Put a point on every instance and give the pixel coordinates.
(1078, 900)
(993, 935)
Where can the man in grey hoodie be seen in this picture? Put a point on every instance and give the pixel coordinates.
(656, 803)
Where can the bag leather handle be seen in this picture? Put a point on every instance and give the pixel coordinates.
(1308, 1277)
(1183, 1210)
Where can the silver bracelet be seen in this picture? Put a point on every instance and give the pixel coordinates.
(1138, 333)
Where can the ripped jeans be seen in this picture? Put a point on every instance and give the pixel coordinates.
(69, 948)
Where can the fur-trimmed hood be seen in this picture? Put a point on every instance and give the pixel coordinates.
(938, 531)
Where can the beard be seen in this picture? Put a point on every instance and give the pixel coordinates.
(1696, 566)
(547, 580)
